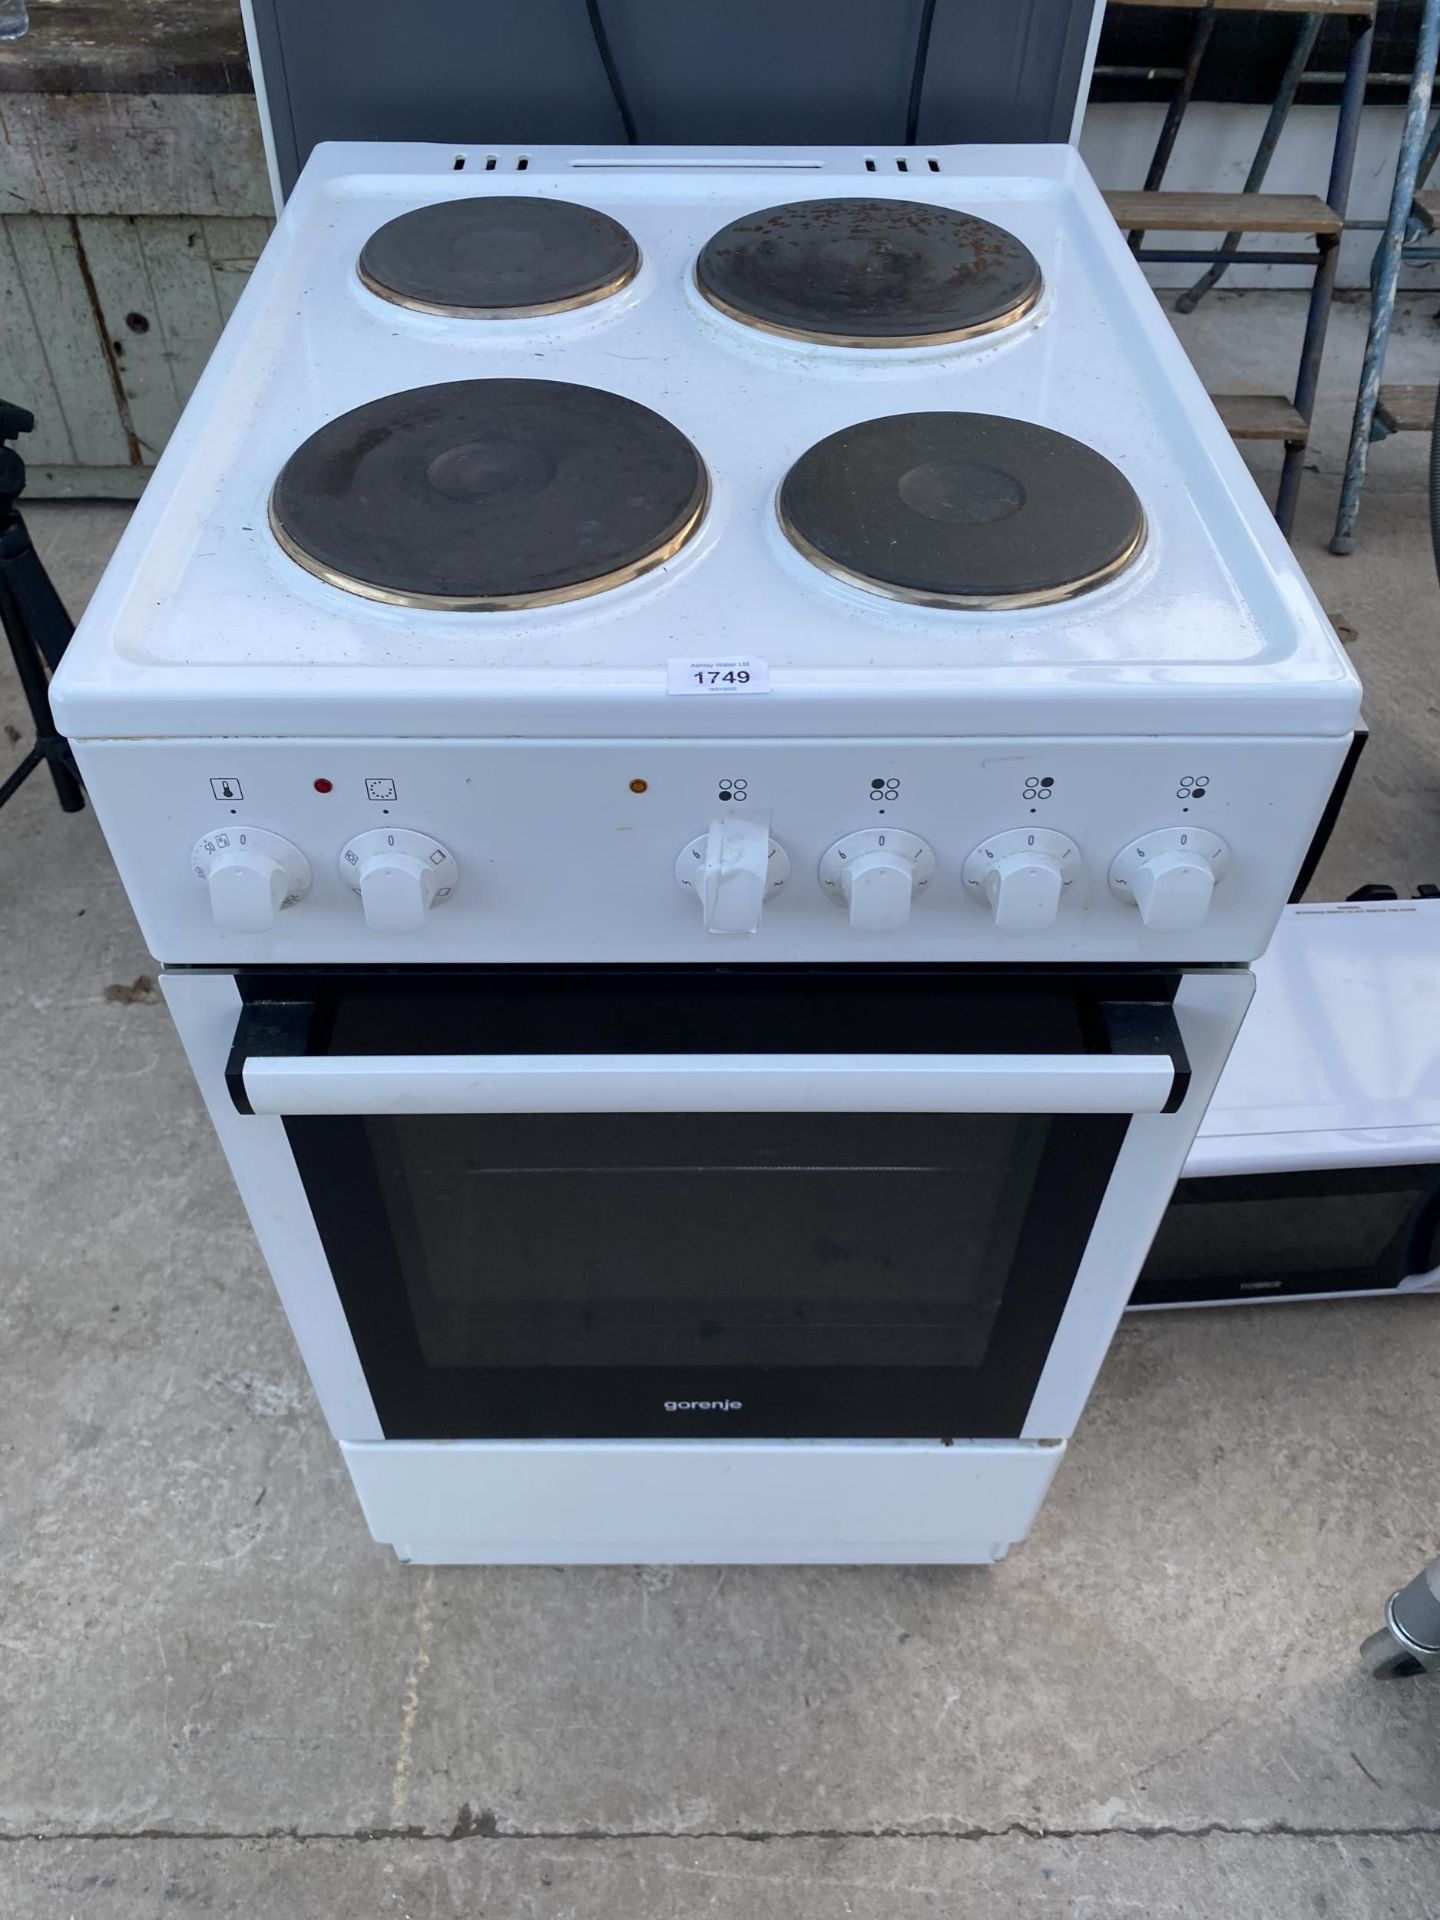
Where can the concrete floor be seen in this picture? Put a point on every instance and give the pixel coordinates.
(217, 1695)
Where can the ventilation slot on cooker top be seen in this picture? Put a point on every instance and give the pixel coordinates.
(900, 163)
(637, 163)
(490, 163)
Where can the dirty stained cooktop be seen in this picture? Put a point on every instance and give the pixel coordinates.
(868, 273)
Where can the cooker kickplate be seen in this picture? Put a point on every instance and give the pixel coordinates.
(961, 510)
(480, 494)
(507, 255)
(868, 273)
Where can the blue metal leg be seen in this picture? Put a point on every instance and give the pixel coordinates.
(1382, 302)
(1316, 320)
(1264, 153)
(1429, 156)
(1322, 288)
(1175, 112)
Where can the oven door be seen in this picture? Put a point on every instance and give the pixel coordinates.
(774, 1202)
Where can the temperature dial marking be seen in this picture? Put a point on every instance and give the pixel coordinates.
(252, 874)
(1169, 875)
(400, 876)
(1022, 876)
(732, 871)
(876, 874)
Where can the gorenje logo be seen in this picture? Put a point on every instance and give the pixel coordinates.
(703, 1406)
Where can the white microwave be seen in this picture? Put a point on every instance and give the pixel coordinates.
(1316, 1171)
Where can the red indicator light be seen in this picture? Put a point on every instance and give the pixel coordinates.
(324, 786)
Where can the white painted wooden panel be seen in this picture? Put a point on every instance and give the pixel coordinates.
(234, 247)
(184, 311)
(105, 324)
(111, 152)
(25, 375)
(64, 328)
(139, 317)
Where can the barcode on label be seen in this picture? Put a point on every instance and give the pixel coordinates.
(747, 675)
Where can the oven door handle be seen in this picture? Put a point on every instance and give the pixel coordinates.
(706, 1083)
(1139, 1066)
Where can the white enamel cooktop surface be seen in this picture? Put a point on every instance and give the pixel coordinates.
(203, 625)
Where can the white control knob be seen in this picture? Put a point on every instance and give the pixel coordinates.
(733, 870)
(876, 874)
(1022, 875)
(252, 875)
(1170, 875)
(399, 875)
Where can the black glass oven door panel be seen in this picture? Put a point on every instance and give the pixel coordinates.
(824, 1274)
(1270, 1235)
(684, 1275)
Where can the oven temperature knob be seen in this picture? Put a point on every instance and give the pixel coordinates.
(876, 874)
(1170, 876)
(399, 875)
(1022, 875)
(252, 875)
(733, 870)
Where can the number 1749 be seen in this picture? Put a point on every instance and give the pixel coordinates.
(721, 676)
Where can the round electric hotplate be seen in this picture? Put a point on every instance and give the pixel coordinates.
(961, 510)
(506, 256)
(868, 273)
(481, 494)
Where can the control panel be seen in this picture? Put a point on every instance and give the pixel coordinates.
(1069, 852)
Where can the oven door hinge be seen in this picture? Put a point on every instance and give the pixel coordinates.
(1149, 1027)
(278, 1028)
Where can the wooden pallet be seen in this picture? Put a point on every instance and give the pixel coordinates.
(1261, 416)
(1224, 212)
(1406, 409)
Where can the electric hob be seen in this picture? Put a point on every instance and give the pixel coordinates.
(705, 738)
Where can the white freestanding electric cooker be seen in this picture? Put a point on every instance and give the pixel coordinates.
(704, 739)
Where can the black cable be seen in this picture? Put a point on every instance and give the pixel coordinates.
(612, 72)
(917, 72)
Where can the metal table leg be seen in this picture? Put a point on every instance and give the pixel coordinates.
(1386, 278)
(1409, 1641)
(1264, 154)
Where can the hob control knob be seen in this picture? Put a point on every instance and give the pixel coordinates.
(876, 874)
(1022, 876)
(733, 870)
(399, 875)
(252, 874)
(1170, 876)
